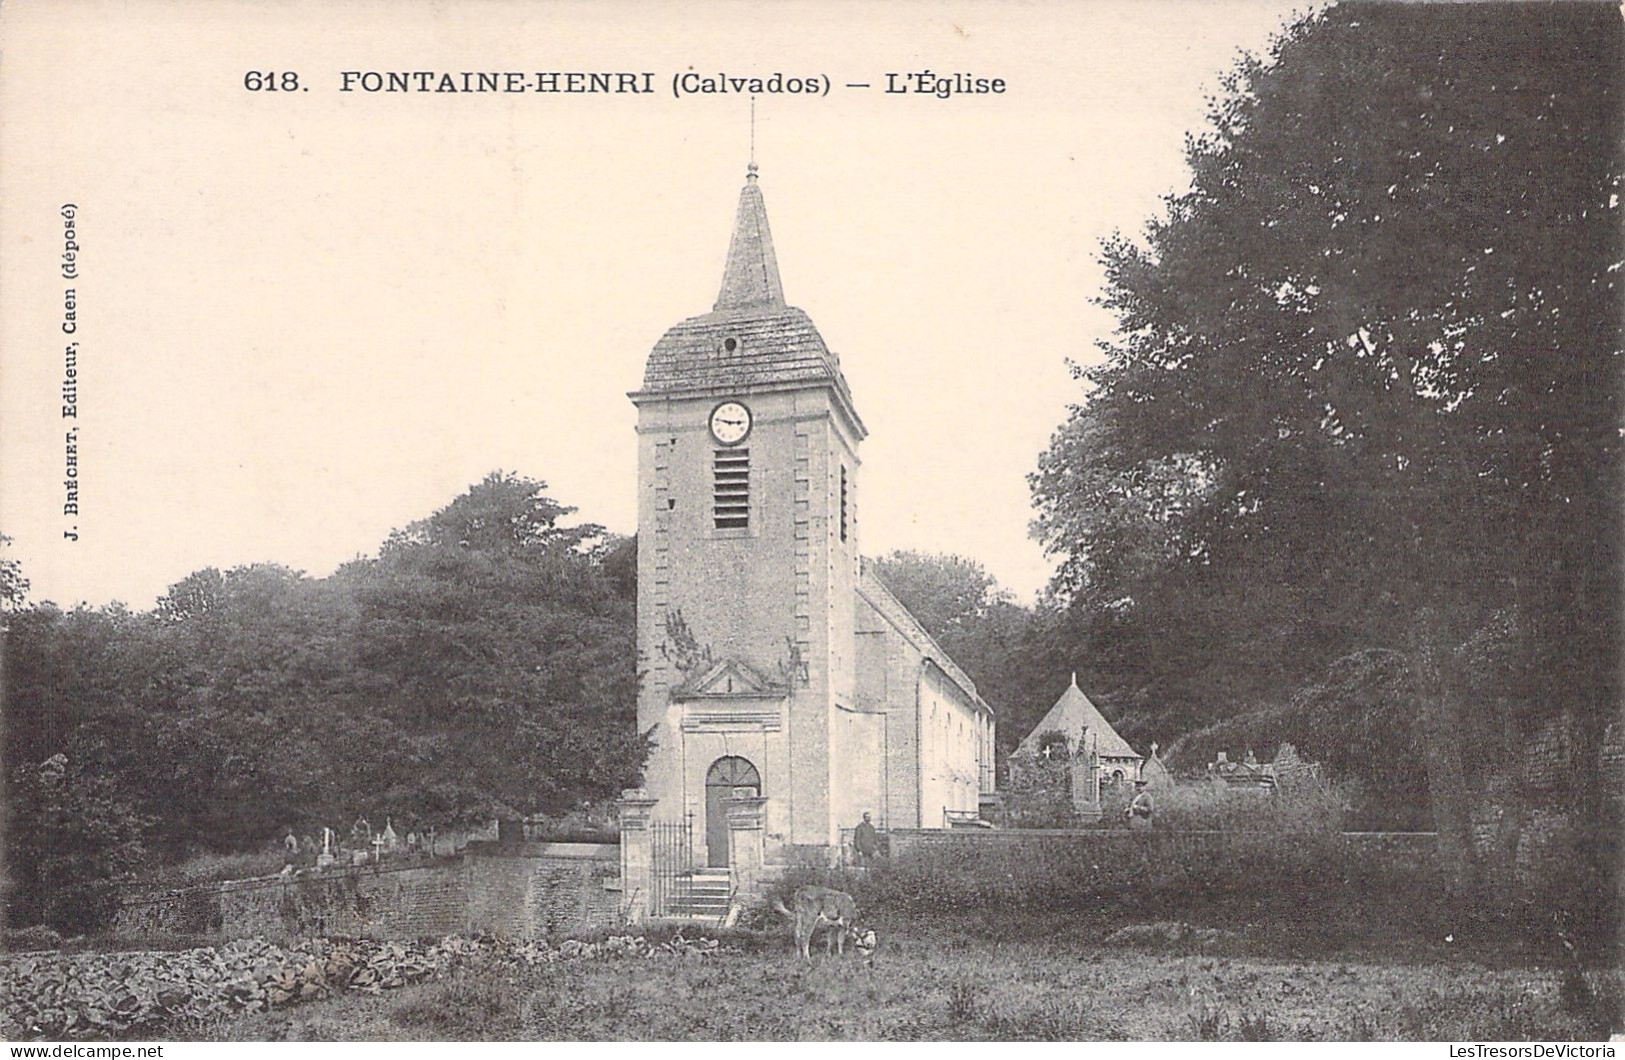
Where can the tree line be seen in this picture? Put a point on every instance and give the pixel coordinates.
(483, 664)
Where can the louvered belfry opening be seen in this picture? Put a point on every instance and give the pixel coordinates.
(731, 488)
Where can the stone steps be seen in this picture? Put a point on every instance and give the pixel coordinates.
(702, 896)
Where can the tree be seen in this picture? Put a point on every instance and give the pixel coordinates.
(996, 641)
(193, 596)
(73, 841)
(1364, 389)
(946, 593)
(13, 586)
(503, 515)
(509, 650)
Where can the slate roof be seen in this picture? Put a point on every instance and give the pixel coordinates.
(1072, 714)
(873, 590)
(773, 344)
(752, 275)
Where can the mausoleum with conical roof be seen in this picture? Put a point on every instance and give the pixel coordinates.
(1071, 764)
(1084, 728)
(780, 678)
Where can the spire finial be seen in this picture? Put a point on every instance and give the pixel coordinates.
(751, 277)
(1074, 679)
(750, 172)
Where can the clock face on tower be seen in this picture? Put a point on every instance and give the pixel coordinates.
(730, 423)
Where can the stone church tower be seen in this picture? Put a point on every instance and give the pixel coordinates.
(748, 555)
(776, 666)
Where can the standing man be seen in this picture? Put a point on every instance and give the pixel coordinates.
(866, 841)
(1141, 809)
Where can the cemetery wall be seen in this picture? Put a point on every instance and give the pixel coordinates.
(372, 901)
(529, 890)
(523, 890)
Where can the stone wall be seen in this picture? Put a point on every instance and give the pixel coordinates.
(1534, 831)
(384, 902)
(534, 889)
(1549, 755)
(521, 890)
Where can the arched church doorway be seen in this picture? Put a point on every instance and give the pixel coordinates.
(729, 777)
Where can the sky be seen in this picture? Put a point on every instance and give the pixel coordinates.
(306, 318)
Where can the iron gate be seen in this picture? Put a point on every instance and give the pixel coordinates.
(671, 857)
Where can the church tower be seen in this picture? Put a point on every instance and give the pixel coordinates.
(748, 563)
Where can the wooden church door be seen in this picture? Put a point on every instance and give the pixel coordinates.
(730, 777)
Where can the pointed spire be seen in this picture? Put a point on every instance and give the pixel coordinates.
(752, 275)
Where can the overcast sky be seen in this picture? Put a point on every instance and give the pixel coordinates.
(308, 318)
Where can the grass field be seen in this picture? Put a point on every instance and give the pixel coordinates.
(953, 982)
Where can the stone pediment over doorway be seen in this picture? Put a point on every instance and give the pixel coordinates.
(729, 678)
(731, 697)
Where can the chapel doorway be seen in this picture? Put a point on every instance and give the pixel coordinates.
(729, 778)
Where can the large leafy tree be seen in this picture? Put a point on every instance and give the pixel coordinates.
(1363, 395)
(507, 650)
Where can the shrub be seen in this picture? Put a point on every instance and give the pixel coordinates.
(1596, 1003)
(1510, 1015)
(34, 937)
(592, 823)
(1254, 1028)
(1208, 1023)
(1051, 1019)
(964, 1000)
(1307, 806)
(1323, 884)
(1212, 1023)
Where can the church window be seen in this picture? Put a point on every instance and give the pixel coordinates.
(730, 344)
(731, 488)
(843, 502)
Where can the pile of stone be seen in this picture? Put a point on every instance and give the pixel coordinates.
(56, 996)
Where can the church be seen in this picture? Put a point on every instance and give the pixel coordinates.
(776, 665)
